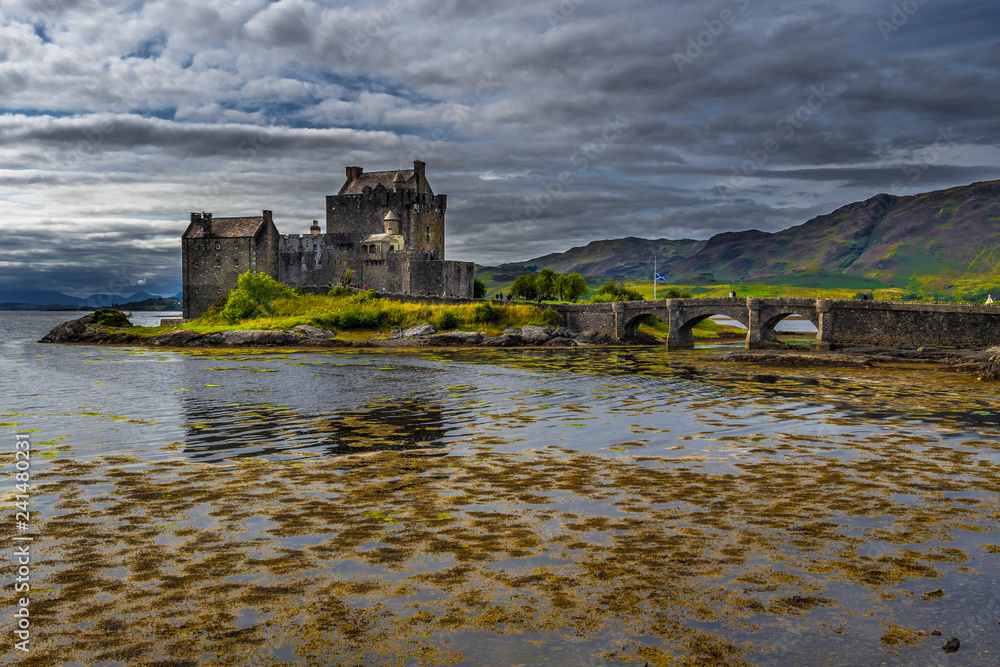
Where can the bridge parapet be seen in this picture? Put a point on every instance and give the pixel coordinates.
(839, 323)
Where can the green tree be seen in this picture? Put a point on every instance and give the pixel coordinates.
(576, 286)
(524, 286)
(253, 296)
(347, 278)
(545, 283)
(478, 289)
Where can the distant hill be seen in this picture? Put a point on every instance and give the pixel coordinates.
(937, 242)
(23, 299)
(156, 303)
(631, 257)
(934, 241)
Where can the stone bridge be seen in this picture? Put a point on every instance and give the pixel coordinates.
(839, 323)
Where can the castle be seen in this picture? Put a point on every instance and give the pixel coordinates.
(386, 226)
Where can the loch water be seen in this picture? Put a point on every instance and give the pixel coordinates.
(587, 506)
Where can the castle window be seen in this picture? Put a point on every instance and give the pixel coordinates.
(428, 234)
(197, 264)
(236, 261)
(218, 263)
(218, 246)
(218, 290)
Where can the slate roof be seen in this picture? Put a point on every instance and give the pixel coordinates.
(227, 228)
(387, 179)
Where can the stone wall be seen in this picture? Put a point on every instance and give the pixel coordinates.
(303, 259)
(840, 323)
(438, 277)
(907, 325)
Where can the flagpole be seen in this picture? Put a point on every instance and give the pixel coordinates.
(654, 276)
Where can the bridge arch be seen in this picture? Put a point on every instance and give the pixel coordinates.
(685, 314)
(765, 314)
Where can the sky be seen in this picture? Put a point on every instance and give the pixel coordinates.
(548, 123)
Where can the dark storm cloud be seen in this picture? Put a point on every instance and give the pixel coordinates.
(732, 114)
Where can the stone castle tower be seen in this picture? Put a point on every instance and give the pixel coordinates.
(386, 226)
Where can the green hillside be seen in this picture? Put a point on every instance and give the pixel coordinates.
(939, 244)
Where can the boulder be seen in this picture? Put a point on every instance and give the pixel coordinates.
(504, 340)
(560, 341)
(563, 332)
(536, 335)
(308, 331)
(456, 338)
(420, 330)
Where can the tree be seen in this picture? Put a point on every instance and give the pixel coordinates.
(478, 289)
(559, 285)
(347, 278)
(253, 296)
(545, 283)
(612, 292)
(576, 286)
(524, 286)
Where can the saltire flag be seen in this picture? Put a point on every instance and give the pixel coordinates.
(658, 277)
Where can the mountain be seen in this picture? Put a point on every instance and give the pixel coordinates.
(631, 257)
(39, 297)
(22, 298)
(933, 241)
(937, 242)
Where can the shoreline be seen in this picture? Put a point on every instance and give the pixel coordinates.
(983, 364)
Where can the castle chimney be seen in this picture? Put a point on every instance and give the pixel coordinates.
(418, 169)
(315, 230)
(354, 172)
(267, 216)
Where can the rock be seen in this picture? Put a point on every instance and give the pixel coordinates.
(935, 633)
(505, 340)
(420, 330)
(264, 338)
(936, 593)
(510, 330)
(952, 645)
(67, 332)
(563, 332)
(181, 338)
(309, 331)
(560, 341)
(456, 338)
(589, 336)
(536, 335)
(83, 330)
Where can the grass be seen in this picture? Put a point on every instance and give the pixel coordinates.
(362, 312)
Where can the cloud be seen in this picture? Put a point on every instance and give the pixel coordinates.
(141, 112)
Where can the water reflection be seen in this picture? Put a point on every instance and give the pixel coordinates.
(267, 430)
(481, 507)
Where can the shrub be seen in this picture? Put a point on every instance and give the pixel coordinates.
(478, 289)
(612, 292)
(109, 317)
(447, 320)
(362, 298)
(217, 307)
(253, 296)
(359, 319)
(486, 313)
(339, 291)
(547, 317)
